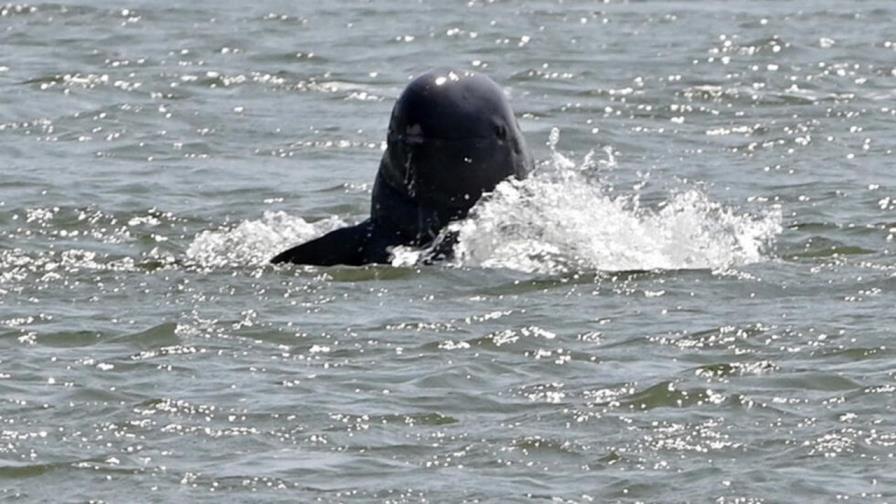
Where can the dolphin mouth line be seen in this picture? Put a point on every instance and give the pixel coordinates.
(420, 139)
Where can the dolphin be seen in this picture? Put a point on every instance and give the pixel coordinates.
(452, 138)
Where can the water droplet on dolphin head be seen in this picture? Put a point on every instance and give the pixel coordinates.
(452, 76)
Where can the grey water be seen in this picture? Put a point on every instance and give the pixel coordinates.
(692, 300)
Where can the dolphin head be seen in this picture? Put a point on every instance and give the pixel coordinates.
(452, 137)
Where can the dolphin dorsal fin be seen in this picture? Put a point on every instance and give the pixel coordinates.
(346, 246)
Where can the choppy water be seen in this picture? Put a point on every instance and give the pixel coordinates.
(691, 300)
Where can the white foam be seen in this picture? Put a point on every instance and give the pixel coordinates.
(548, 225)
(254, 242)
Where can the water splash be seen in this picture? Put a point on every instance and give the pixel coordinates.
(549, 224)
(254, 242)
(564, 218)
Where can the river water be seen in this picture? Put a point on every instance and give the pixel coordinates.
(690, 301)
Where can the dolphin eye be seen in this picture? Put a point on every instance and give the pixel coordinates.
(501, 132)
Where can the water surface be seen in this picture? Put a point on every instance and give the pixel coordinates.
(690, 301)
